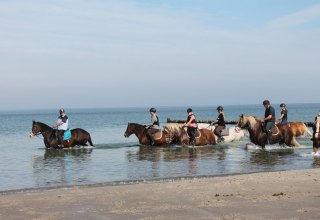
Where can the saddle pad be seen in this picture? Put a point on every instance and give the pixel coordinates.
(225, 132)
(67, 135)
(157, 135)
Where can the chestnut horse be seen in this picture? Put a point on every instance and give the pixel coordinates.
(299, 129)
(160, 137)
(281, 134)
(234, 133)
(203, 136)
(79, 137)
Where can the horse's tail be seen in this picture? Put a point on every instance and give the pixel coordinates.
(90, 141)
(307, 130)
(294, 142)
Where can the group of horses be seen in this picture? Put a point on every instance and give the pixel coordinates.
(173, 133)
(247, 126)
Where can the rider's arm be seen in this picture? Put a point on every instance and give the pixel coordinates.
(267, 118)
(280, 118)
(189, 122)
(58, 124)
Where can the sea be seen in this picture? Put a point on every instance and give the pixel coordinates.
(26, 164)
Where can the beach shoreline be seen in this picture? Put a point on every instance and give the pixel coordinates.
(291, 194)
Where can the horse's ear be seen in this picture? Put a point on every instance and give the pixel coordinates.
(33, 122)
(241, 116)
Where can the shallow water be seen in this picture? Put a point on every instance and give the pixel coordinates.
(25, 163)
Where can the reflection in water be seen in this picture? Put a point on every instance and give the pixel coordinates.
(269, 158)
(61, 167)
(171, 161)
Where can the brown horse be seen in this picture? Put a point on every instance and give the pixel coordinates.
(281, 134)
(79, 137)
(160, 137)
(203, 136)
(299, 129)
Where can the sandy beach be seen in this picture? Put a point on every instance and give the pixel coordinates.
(272, 195)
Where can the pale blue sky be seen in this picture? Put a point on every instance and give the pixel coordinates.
(99, 53)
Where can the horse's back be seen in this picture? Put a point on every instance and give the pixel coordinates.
(298, 128)
(81, 136)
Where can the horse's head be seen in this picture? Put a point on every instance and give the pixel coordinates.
(247, 121)
(35, 130)
(133, 128)
(129, 130)
(243, 122)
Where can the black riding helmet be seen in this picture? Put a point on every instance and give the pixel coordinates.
(220, 108)
(61, 111)
(153, 110)
(189, 110)
(282, 105)
(266, 102)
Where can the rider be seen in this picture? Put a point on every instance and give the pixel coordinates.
(154, 125)
(192, 126)
(61, 126)
(283, 119)
(269, 116)
(317, 125)
(221, 123)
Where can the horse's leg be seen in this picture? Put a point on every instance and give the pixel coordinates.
(315, 146)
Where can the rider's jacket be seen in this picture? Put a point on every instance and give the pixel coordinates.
(65, 125)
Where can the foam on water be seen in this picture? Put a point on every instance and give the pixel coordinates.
(251, 146)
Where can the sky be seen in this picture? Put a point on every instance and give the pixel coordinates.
(144, 53)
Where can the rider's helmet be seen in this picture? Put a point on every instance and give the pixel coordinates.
(153, 110)
(266, 102)
(61, 111)
(282, 105)
(189, 110)
(220, 108)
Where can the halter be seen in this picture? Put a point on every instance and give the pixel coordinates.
(40, 132)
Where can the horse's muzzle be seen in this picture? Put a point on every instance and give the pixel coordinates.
(31, 135)
(126, 135)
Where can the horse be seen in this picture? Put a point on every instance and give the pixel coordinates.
(160, 137)
(281, 134)
(299, 129)
(203, 136)
(234, 134)
(79, 137)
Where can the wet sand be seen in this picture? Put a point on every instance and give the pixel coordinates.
(273, 195)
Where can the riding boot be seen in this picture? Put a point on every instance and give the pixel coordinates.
(60, 141)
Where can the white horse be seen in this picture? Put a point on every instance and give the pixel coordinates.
(235, 133)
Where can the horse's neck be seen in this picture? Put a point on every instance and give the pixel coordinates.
(139, 131)
(46, 130)
(255, 129)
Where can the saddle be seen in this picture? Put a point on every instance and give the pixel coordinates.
(67, 135)
(225, 132)
(197, 133)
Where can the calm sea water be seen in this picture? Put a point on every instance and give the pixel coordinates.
(25, 163)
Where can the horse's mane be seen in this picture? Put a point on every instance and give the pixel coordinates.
(174, 128)
(41, 124)
(253, 120)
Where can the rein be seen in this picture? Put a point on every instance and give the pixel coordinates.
(277, 131)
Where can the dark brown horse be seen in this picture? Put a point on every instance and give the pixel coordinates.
(79, 137)
(203, 136)
(160, 137)
(281, 134)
